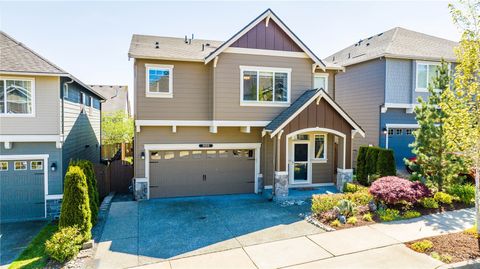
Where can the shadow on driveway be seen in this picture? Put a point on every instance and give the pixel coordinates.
(15, 237)
(175, 227)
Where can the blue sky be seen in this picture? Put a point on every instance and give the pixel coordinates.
(91, 39)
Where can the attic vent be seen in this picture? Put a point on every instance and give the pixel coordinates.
(186, 39)
(368, 44)
(349, 55)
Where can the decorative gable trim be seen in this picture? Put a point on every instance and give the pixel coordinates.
(267, 15)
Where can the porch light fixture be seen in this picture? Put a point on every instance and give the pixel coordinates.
(384, 130)
(53, 167)
(142, 155)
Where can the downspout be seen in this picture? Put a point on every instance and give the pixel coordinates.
(274, 156)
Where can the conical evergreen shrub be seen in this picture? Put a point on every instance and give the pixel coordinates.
(361, 165)
(87, 168)
(386, 163)
(75, 205)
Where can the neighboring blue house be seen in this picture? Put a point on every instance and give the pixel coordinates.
(47, 118)
(385, 74)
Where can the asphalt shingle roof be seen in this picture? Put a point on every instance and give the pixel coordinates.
(396, 43)
(288, 112)
(16, 57)
(116, 97)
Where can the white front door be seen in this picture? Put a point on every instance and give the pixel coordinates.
(300, 163)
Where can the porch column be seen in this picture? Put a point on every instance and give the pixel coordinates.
(281, 177)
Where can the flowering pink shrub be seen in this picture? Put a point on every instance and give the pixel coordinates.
(394, 190)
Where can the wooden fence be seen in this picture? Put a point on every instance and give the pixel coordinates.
(116, 176)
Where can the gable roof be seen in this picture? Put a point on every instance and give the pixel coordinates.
(396, 43)
(17, 58)
(267, 14)
(302, 102)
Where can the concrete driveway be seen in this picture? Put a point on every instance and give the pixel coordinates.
(14, 238)
(138, 233)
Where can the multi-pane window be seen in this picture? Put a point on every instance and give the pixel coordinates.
(159, 80)
(3, 166)
(20, 165)
(320, 81)
(320, 147)
(36, 165)
(408, 131)
(390, 131)
(265, 86)
(426, 72)
(16, 96)
(399, 131)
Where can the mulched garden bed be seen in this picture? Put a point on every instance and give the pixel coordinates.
(460, 246)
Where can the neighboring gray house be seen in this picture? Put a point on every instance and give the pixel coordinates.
(237, 116)
(117, 98)
(47, 118)
(385, 74)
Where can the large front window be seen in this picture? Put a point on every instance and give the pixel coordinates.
(265, 86)
(426, 72)
(159, 82)
(16, 96)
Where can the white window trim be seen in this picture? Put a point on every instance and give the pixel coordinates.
(321, 75)
(325, 151)
(30, 115)
(265, 69)
(168, 94)
(1, 170)
(15, 168)
(31, 167)
(417, 89)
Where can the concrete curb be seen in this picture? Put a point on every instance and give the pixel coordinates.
(470, 264)
(102, 217)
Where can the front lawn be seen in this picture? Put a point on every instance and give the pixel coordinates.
(34, 255)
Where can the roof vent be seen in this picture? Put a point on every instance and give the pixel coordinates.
(203, 47)
(380, 34)
(157, 45)
(349, 55)
(368, 44)
(186, 40)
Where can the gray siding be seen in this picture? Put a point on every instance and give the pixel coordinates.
(47, 107)
(55, 182)
(191, 93)
(227, 84)
(398, 81)
(360, 91)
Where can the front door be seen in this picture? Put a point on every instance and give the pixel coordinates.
(300, 162)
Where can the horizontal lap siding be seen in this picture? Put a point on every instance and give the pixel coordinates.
(188, 135)
(191, 92)
(325, 117)
(47, 107)
(361, 91)
(227, 84)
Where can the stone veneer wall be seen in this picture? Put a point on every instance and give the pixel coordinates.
(53, 208)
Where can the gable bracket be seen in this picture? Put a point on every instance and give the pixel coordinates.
(267, 21)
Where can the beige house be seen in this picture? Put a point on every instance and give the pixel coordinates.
(237, 116)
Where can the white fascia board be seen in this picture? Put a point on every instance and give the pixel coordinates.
(25, 157)
(197, 146)
(401, 125)
(31, 138)
(206, 123)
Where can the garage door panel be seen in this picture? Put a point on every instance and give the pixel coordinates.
(399, 140)
(207, 172)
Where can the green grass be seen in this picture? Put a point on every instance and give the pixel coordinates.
(34, 255)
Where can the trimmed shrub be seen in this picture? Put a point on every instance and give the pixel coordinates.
(386, 163)
(87, 167)
(388, 214)
(464, 193)
(361, 198)
(361, 171)
(352, 220)
(395, 190)
(325, 202)
(75, 209)
(64, 244)
(422, 246)
(367, 217)
(371, 162)
(429, 202)
(410, 214)
(443, 198)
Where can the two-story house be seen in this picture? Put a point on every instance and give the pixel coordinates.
(385, 75)
(117, 98)
(47, 118)
(235, 116)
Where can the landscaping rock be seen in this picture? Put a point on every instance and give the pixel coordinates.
(88, 244)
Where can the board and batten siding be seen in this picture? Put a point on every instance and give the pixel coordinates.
(360, 91)
(47, 110)
(192, 92)
(188, 135)
(227, 84)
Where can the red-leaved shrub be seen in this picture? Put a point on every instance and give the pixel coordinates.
(394, 190)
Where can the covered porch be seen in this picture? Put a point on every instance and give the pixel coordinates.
(311, 144)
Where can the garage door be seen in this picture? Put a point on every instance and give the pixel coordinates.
(22, 190)
(201, 172)
(398, 141)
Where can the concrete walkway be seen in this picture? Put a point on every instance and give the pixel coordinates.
(374, 246)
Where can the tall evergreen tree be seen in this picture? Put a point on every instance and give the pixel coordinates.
(436, 163)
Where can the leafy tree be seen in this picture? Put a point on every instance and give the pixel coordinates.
(435, 162)
(94, 201)
(117, 127)
(75, 205)
(462, 104)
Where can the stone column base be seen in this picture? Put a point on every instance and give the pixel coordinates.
(281, 185)
(343, 176)
(261, 183)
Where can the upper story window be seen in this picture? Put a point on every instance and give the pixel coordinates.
(320, 81)
(159, 81)
(17, 97)
(426, 72)
(264, 86)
